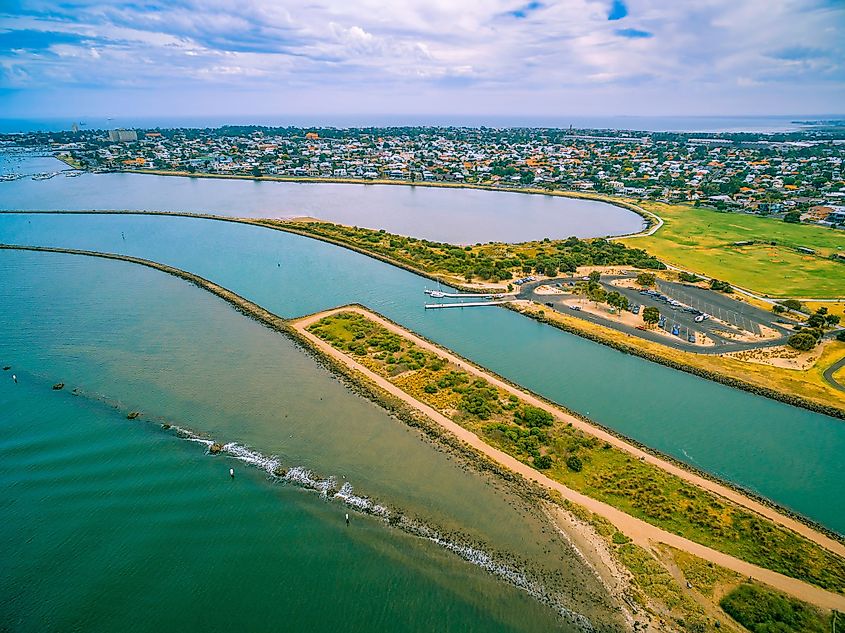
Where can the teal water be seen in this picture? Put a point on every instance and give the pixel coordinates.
(787, 454)
(116, 524)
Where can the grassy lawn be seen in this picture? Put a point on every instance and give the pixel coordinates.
(576, 459)
(702, 240)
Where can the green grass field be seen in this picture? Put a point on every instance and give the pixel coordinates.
(702, 240)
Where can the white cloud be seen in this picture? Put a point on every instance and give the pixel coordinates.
(476, 50)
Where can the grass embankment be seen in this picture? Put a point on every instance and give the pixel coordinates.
(806, 384)
(763, 610)
(576, 459)
(702, 240)
(493, 262)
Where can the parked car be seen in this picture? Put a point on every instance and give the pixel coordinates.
(574, 307)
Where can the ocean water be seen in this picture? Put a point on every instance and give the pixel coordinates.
(673, 123)
(787, 454)
(117, 524)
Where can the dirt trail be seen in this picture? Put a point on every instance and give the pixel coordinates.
(639, 531)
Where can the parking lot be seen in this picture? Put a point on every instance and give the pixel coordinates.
(678, 320)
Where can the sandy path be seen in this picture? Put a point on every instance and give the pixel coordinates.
(639, 531)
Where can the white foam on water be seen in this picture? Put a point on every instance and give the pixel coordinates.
(305, 478)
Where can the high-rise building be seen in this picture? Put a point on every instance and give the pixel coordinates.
(123, 136)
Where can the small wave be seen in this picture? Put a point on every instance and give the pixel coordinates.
(344, 493)
(328, 488)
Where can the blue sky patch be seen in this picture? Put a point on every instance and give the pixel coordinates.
(618, 10)
(525, 10)
(633, 34)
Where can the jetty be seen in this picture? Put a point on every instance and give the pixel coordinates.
(437, 294)
(463, 304)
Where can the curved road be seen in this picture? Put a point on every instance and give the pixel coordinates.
(828, 374)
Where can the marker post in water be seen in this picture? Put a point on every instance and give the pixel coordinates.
(347, 519)
(232, 473)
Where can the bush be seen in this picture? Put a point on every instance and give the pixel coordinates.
(646, 279)
(689, 277)
(534, 416)
(721, 286)
(841, 336)
(803, 341)
(543, 462)
(766, 611)
(573, 462)
(430, 388)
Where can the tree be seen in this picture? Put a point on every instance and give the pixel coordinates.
(803, 341)
(832, 319)
(651, 315)
(543, 462)
(778, 308)
(256, 171)
(816, 321)
(841, 336)
(793, 217)
(792, 304)
(595, 276)
(617, 300)
(596, 292)
(646, 279)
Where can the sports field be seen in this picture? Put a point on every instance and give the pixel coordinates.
(703, 241)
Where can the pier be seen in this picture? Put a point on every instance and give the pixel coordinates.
(456, 295)
(463, 304)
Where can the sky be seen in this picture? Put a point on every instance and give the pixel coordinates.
(456, 57)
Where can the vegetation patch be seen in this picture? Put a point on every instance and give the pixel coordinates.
(494, 262)
(577, 459)
(763, 610)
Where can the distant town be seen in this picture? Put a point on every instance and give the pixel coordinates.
(798, 176)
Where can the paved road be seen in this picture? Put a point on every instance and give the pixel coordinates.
(745, 316)
(828, 375)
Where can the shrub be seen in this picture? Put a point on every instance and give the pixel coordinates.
(803, 341)
(573, 462)
(534, 416)
(543, 462)
(646, 279)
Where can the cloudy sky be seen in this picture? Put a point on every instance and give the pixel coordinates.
(473, 57)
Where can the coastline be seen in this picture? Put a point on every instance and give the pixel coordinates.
(289, 226)
(400, 407)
